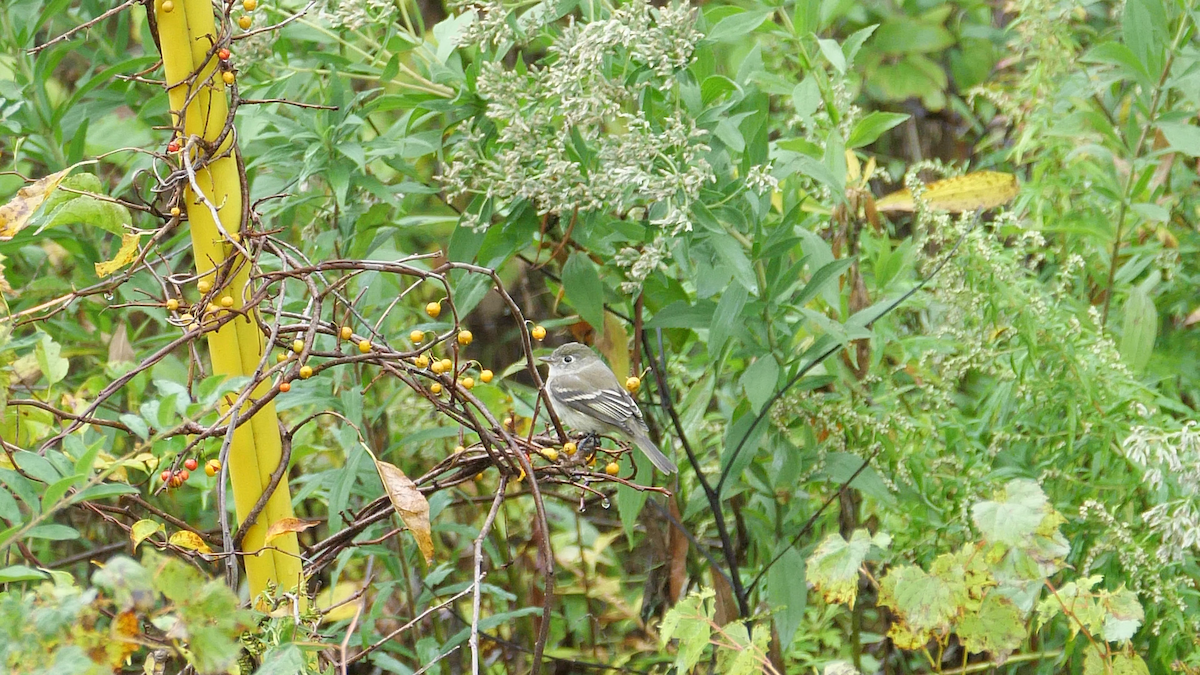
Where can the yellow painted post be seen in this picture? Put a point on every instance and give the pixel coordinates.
(186, 34)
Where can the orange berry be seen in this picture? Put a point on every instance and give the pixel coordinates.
(347, 332)
(244, 21)
(485, 376)
(165, 476)
(464, 337)
(364, 346)
(173, 146)
(285, 387)
(433, 309)
(305, 372)
(538, 333)
(183, 475)
(190, 463)
(223, 54)
(212, 467)
(612, 469)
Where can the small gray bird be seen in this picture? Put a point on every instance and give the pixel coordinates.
(588, 398)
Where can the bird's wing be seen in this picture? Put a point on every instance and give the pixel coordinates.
(611, 404)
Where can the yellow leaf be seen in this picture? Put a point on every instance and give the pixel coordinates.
(286, 525)
(979, 190)
(142, 530)
(127, 254)
(14, 215)
(189, 540)
(339, 593)
(410, 505)
(614, 345)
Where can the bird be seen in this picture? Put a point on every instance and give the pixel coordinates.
(588, 398)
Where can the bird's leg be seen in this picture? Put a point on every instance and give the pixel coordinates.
(589, 443)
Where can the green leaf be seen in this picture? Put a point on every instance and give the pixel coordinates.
(1014, 516)
(285, 659)
(1183, 138)
(8, 507)
(759, 381)
(787, 593)
(833, 567)
(732, 253)
(871, 127)
(14, 573)
(737, 25)
(1139, 330)
(49, 357)
(924, 601)
(681, 314)
(855, 42)
(821, 279)
(727, 315)
(833, 53)
(911, 36)
(88, 210)
(996, 627)
(584, 290)
(1123, 615)
(53, 532)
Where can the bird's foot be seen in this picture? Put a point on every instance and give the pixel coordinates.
(589, 443)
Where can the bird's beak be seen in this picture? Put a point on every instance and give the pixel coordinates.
(545, 359)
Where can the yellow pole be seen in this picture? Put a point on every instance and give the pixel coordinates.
(186, 35)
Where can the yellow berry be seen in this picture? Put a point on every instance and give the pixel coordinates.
(433, 309)
(508, 422)
(227, 76)
(212, 467)
(458, 449)
(550, 454)
(172, 304)
(435, 388)
(464, 337)
(244, 21)
(305, 372)
(168, 6)
(227, 302)
(175, 212)
(479, 476)
(212, 308)
(249, 5)
(436, 367)
(485, 376)
(467, 382)
(538, 333)
(297, 345)
(633, 384)
(347, 331)
(612, 469)
(417, 336)
(281, 357)
(447, 365)
(204, 285)
(569, 447)
(421, 361)
(364, 346)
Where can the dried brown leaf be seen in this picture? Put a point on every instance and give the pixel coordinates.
(14, 215)
(189, 540)
(127, 254)
(286, 525)
(410, 505)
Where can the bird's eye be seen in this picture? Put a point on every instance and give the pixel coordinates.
(568, 359)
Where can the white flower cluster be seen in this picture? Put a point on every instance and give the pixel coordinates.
(354, 14)
(641, 264)
(571, 135)
(760, 180)
(1170, 460)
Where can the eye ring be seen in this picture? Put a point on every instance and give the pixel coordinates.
(568, 359)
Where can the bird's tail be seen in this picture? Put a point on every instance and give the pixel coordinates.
(659, 460)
